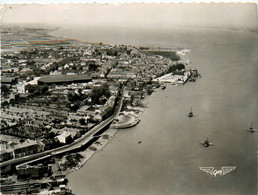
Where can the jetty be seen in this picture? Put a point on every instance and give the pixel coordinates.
(125, 120)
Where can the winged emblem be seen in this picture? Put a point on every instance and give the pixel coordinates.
(207, 169)
(214, 172)
(226, 170)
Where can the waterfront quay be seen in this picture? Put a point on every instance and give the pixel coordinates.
(179, 78)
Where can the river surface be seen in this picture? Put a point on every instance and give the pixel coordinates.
(167, 161)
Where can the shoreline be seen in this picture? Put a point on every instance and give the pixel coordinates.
(100, 144)
(109, 134)
(104, 142)
(89, 153)
(159, 157)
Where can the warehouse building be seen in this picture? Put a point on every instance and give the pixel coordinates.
(63, 79)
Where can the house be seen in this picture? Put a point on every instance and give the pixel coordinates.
(65, 137)
(35, 172)
(41, 145)
(8, 80)
(108, 107)
(120, 74)
(26, 148)
(86, 110)
(10, 70)
(6, 155)
(26, 71)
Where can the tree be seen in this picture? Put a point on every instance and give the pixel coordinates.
(75, 106)
(36, 89)
(180, 66)
(97, 92)
(80, 91)
(176, 67)
(44, 89)
(112, 52)
(128, 52)
(82, 121)
(4, 89)
(30, 88)
(92, 65)
(31, 62)
(4, 103)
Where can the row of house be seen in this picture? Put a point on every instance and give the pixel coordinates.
(23, 149)
(33, 172)
(8, 80)
(6, 155)
(121, 74)
(98, 113)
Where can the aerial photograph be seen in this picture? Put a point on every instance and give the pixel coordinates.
(129, 99)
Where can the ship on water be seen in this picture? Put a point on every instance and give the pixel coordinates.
(206, 143)
(251, 129)
(190, 113)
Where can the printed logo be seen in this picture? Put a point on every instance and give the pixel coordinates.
(214, 172)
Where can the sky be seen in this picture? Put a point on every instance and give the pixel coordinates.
(232, 15)
(116, 1)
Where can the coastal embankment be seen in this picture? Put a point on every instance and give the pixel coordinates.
(97, 146)
(125, 120)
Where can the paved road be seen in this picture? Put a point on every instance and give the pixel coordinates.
(76, 144)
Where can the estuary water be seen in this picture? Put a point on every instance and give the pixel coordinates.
(167, 161)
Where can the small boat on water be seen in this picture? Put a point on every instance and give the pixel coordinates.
(206, 143)
(163, 87)
(251, 129)
(190, 113)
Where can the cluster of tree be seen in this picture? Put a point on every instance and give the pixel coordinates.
(4, 89)
(176, 67)
(4, 103)
(92, 65)
(112, 52)
(49, 135)
(98, 92)
(37, 89)
(97, 52)
(54, 66)
(75, 106)
(31, 62)
(75, 100)
(31, 54)
(73, 97)
(82, 121)
(128, 51)
(72, 160)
